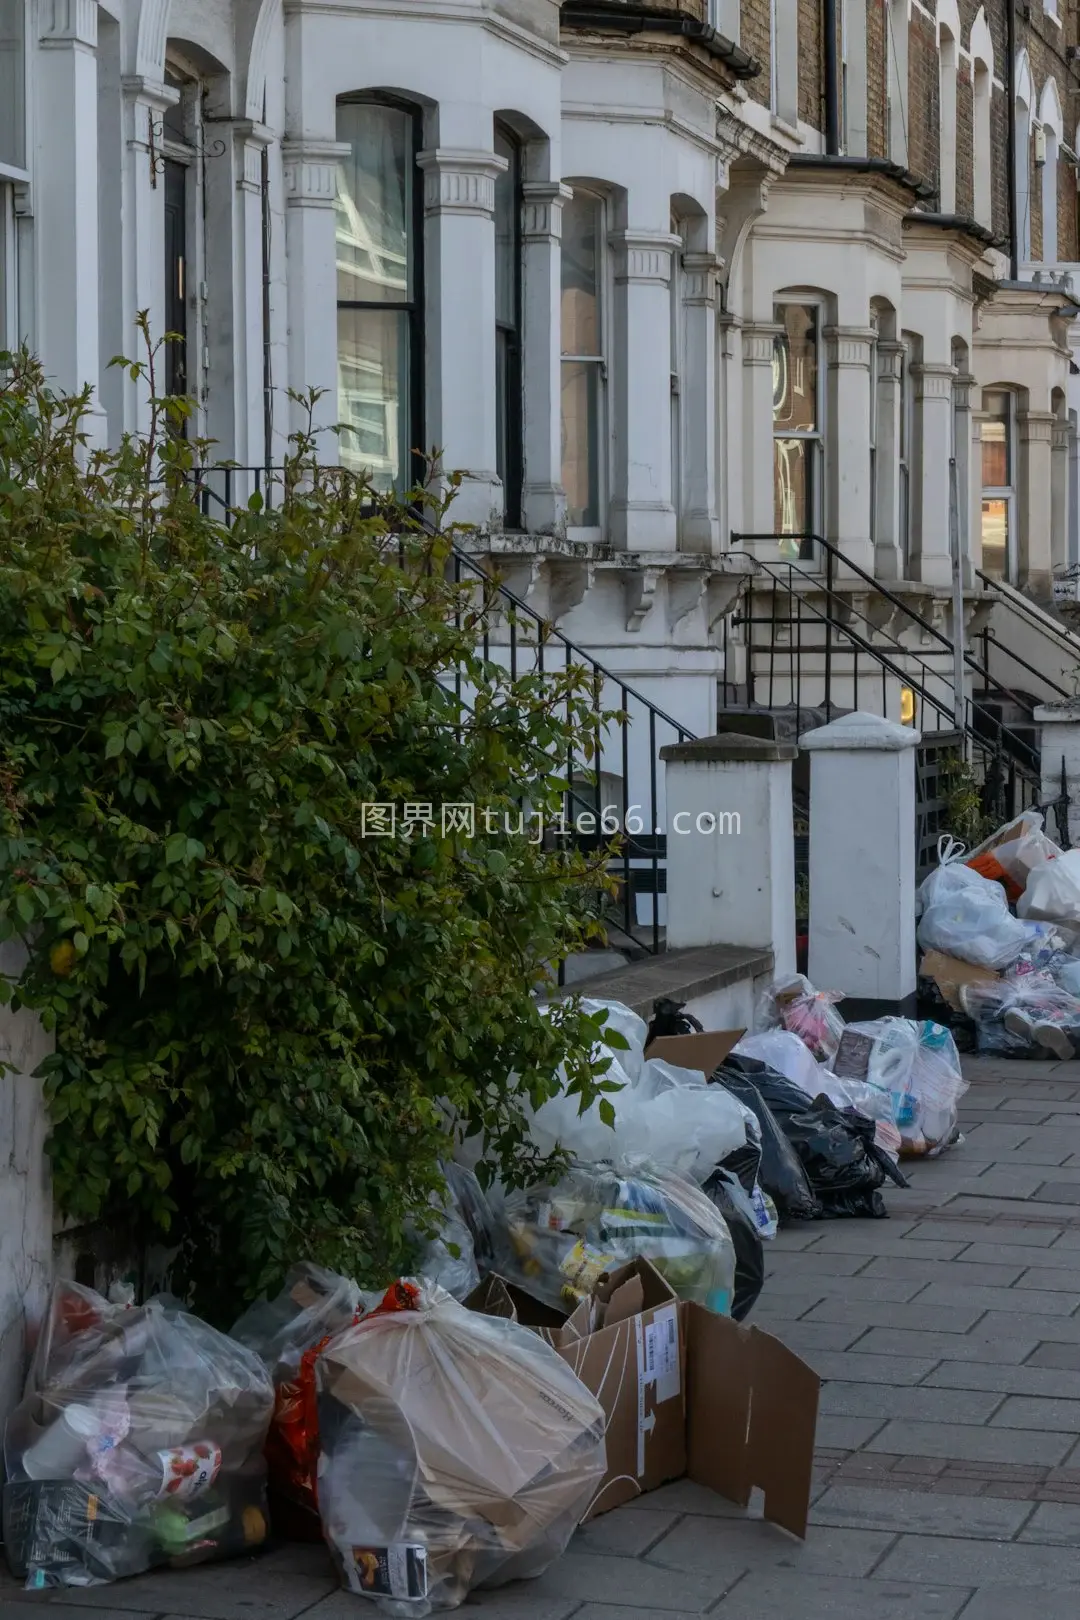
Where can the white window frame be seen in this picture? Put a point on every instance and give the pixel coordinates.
(905, 446)
(594, 533)
(677, 365)
(9, 302)
(819, 437)
(1003, 492)
(875, 379)
(845, 133)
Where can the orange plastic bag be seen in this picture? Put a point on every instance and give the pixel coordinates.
(988, 866)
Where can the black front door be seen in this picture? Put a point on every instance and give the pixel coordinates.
(176, 379)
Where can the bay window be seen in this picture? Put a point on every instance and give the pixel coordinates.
(906, 447)
(582, 315)
(508, 400)
(797, 422)
(379, 292)
(998, 436)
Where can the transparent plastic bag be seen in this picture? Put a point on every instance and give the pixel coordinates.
(139, 1442)
(1019, 857)
(626, 1023)
(793, 1004)
(560, 1240)
(742, 1217)
(927, 1114)
(967, 916)
(459, 1450)
(1024, 1017)
(461, 1252)
(1053, 891)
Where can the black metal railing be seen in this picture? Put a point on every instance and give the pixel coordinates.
(1014, 604)
(620, 798)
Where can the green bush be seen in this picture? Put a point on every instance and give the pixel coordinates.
(262, 1015)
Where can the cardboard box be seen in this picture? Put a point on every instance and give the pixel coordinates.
(950, 975)
(704, 1051)
(686, 1393)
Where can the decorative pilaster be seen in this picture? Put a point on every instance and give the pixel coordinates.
(642, 514)
(848, 351)
(459, 204)
(66, 200)
(963, 383)
(889, 560)
(759, 499)
(1034, 555)
(699, 530)
(931, 560)
(1059, 493)
(310, 243)
(245, 335)
(544, 498)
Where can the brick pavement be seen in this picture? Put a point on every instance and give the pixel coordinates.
(948, 1478)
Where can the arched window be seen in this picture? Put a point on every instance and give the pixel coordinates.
(1052, 126)
(508, 374)
(982, 74)
(998, 437)
(798, 425)
(1024, 101)
(379, 290)
(948, 62)
(583, 317)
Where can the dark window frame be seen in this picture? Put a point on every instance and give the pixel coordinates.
(510, 404)
(414, 308)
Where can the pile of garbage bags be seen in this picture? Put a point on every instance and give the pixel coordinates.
(1011, 907)
(138, 1443)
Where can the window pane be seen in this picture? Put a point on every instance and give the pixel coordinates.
(581, 227)
(506, 233)
(795, 368)
(995, 456)
(12, 83)
(793, 494)
(373, 394)
(374, 204)
(995, 538)
(580, 442)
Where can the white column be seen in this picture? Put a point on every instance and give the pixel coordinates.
(1059, 753)
(66, 200)
(250, 448)
(962, 387)
(700, 530)
(759, 499)
(143, 259)
(641, 511)
(1036, 429)
(888, 559)
(25, 1190)
(731, 845)
(541, 237)
(459, 272)
(931, 562)
(848, 427)
(862, 866)
(1059, 493)
(310, 239)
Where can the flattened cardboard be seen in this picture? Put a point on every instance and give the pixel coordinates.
(950, 975)
(705, 1051)
(751, 1416)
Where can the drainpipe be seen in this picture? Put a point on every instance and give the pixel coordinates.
(1010, 142)
(832, 87)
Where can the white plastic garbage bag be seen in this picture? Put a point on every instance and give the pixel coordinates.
(1053, 891)
(967, 916)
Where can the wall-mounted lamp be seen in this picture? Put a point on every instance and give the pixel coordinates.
(1040, 146)
(907, 706)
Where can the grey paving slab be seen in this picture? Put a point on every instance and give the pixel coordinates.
(1012, 1603)
(1030, 1113)
(1062, 1279)
(842, 1432)
(683, 1496)
(965, 1442)
(1057, 1193)
(856, 1237)
(723, 1548)
(914, 1318)
(634, 1582)
(1030, 1303)
(1034, 1412)
(1026, 1380)
(248, 1589)
(1044, 1326)
(605, 1611)
(877, 1508)
(941, 1560)
(951, 1273)
(1003, 1348)
(976, 1231)
(923, 1404)
(28, 1606)
(831, 1597)
(986, 1207)
(1067, 1239)
(852, 1366)
(521, 1602)
(1054, 1524)
(1031, 1256)
(628, 1534)
(886, 1290)
(1051, 1153)
(988, 1141)
(805, 1338)
(773, 1306)
(811, 1263)
(1066, 1356)
(803, 1235)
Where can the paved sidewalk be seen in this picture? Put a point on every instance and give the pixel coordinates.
(949, 1477)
